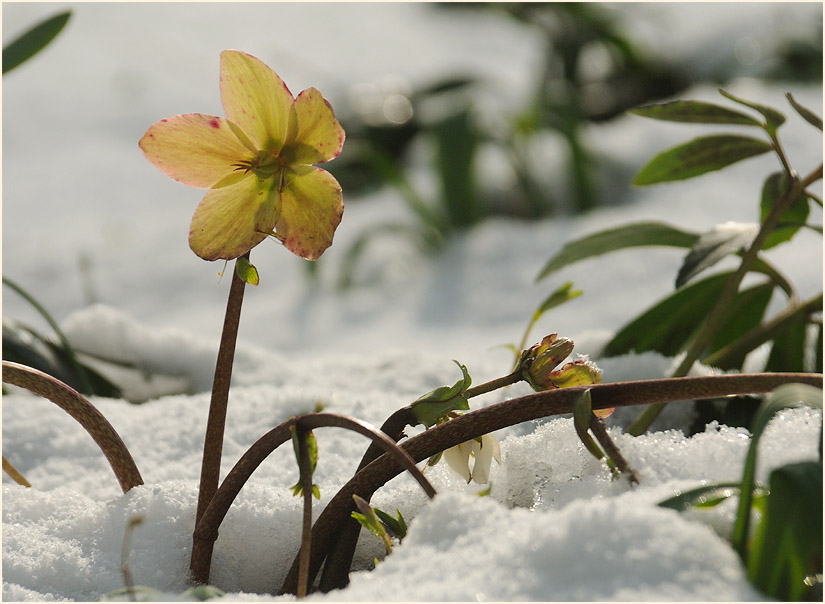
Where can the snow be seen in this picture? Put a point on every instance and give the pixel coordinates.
(555, 527)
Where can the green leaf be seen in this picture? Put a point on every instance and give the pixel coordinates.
(808, 115)
(773, 118)
(711, 247)
(396, 526)
(610, 240)
(694, 112)
(707, 496)
(456, 141)
(792, 220)
(33, 41)
(699, 156)
(787, 548)
(246, 271)
(819, 346)
(558, 297)
(669, 324)
(788, 350)
(745, 314)
(787, 396)
(436, 404)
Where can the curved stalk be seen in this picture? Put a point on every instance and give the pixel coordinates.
(328, 526)
(86, 414)
(206, 529)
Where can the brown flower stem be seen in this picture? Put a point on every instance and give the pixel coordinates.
(721, 309)
(206, 530)
(216, 421)
(305, 466)
(500, 415)
(86, 414)
(599, 430)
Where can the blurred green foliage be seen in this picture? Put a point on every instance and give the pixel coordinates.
(591, 71)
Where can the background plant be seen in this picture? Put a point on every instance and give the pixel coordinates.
(712, 320)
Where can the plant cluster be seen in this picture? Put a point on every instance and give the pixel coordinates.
(259, 165)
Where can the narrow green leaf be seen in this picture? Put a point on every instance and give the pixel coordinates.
(819, 346)
(786, 396)
(33, 41)
(711, 247)
(670, 323)
(699, 156)
(246, 271)
(694, 112)
(558, 297)
(787, 547)
(808, 115)
(773, 118)
(792, 220)
(627, 236)
(788, 350)
(706, 496)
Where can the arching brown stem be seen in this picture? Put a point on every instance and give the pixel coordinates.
(206, 530)
(328, 528)
(87, 415)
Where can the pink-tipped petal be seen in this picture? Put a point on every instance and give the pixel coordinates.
(232, 220)
(318, 135)
(195, 149)
(256, 99)
(310, 210)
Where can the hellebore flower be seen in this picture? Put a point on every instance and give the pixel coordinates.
(538, 367)
(258, 164)
(484, 450)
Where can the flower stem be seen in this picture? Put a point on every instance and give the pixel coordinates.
(215, 423)
(305, 466)
(495, 384)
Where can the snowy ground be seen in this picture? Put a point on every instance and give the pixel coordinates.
(554, 528)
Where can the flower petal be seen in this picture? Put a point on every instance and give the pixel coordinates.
(195, 149)
(232, 220)
(484, 454)
(255, 99)
(318, 135)
(310, 210)
(458, 458)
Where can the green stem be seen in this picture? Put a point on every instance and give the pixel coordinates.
(495, 384)
(215, 423)
(765, 332)
(720, 311)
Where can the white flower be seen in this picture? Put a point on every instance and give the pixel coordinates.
(483, 452)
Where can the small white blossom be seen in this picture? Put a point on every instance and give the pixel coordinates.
(483, 453)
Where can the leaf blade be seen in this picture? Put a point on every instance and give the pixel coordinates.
(610, 240)
(699, 156)
(33, 41)
(694, 112)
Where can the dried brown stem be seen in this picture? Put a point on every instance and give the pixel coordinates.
(76, 405)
